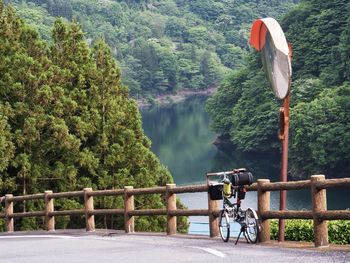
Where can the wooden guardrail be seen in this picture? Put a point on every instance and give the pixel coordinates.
(319, 213)
(129, 212)
(317, 184)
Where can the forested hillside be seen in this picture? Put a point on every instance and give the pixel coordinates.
(166, 45)
(66, 123)
(244, 109)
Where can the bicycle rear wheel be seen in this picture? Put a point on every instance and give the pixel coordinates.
(252, 226)
(224, 226)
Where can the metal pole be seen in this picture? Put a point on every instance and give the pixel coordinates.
(284, 133)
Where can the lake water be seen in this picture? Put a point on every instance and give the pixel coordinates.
(182, 139)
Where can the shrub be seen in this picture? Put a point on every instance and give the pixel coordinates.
(339, 232)
(302, 230)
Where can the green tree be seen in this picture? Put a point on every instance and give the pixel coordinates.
(211, 69)
(175, 27)
(320, 138)
(198, 36)
(67, 122)
(207, 9)
(344, 47)
(219, 106)
(6, 144)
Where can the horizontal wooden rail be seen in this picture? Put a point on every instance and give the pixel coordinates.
(66, 194)
(148, 212)
(333, 183)
(113, 192)
(303, 184)
(253, 187)
(104, 212)
(289, 214)
(75, 212)
(334, 215)
(27, 214)
(26, 198)
(297, 185)
(145, 191)
(189, 189)
(194, 212)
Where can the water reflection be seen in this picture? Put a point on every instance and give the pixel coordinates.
(181, 138)
(183, 141)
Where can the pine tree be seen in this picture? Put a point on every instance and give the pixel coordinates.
(67, 122)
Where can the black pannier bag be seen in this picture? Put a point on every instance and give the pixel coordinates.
(215, 191)
(241, 193)
(241, 178)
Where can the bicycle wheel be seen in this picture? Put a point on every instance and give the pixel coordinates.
(224, 226)
(252, 226)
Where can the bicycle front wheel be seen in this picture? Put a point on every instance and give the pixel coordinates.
(224, 226)
(252, 226)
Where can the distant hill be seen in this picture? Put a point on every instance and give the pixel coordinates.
(166, 45)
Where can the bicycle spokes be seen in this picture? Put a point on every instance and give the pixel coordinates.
(252, 226)
(224, 225)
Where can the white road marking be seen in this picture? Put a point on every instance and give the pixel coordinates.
(212, 251)
(38, 236)
(58, 236)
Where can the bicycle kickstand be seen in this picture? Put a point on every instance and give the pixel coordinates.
(240, 232)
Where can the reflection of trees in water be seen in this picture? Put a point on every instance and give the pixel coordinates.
(181, 138)
(180, 126)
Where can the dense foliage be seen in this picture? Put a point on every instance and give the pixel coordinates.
(244, 107)
(163, 45)
(302, 230)
(67, 122)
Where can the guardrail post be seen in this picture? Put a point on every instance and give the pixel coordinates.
(89, 206)
(170, 206)
(213, 220)
(129, 222)
(319, 204)
(263, 206)
(8, 213)
(49, 207)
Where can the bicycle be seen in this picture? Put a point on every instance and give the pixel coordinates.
(248, 218)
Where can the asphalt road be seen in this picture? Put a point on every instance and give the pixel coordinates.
(118, 247)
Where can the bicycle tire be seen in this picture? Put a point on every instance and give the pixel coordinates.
(224, 226)
(252, 230)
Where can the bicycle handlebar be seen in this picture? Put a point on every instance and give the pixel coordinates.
(219, 173)
(234, 171)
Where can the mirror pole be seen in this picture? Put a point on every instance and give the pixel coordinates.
(284, 164)
(284, 137)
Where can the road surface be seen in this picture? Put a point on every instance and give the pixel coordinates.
(102, 247)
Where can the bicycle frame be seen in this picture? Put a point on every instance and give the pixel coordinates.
(236, 207)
